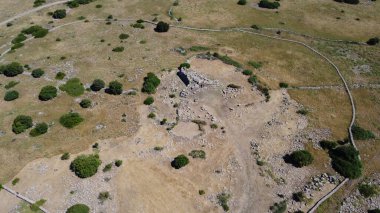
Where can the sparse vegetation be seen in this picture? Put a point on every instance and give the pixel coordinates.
(252, 79)
(19, 38)
(36, 206)
(85, 166)
(22, 123)
(198, 154)
(223, 201)
(36, 31)
(303, 111)
(39, 129)
(184, 65)
(15, 181)
(180, 161)
(37, 73)
(65, 156)
(213, 126)
(201, 192)
(158, 148)
(247, 72)
(11, 95)
(11, 84)
(227, 60)
(78, 208)
(279, 207)
(198, 48)
(152, 115)
(70, 120)
(151, 82)
(47, 93)
(368, 190)
(114, 88)
(299, 196)
(299, 158)
(346, 162)
(107, 167)
(73, 87)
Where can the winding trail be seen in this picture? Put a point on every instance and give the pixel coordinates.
(249, 31)
(32, 11)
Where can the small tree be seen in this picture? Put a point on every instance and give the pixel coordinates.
(97, 85)
(85, 166)
(37, 73)
(162, 27)
(59, 14)
(299, 158)
(115, 88)
(40, 129)
(11, 95)
(21, 123)
(47, 93)
(180, 161)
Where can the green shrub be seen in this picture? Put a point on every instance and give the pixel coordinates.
(247, 72)
(283, 85)
(12, 69)
(11, 95)
(36, 206)
(22, 123)
(65, 156)
(361, 134)
(11, 84)
(328, 145)
(60, 75)
(214, 126)
(123, 36)
(227, 60)
(180, 161)
(39, 129)
(118, 163)
(368, 190)
(269, 5)
(345, 160)
(59, 14)
(279, 207)
(242, 2)
(73, 87)
(15, 181)
(151, 82)
(198, 154)
(223, 201)
(151, 115)
(20, 38)
(299, 158)
(118, 49)
(252, 79)
(373, 41)
(36, 31)
(17, 46)
(255, 64)
(115, 88)
(162, 27)
(70, 120)
(85, 166)
(184, 65)
(107, 167)
(72, 4)
(37, 73)
(85, 103)
(38, 3)
(47, 93)
(303, 111)
(97, 85)
(78, 208)
(198, 48)
(149, 100)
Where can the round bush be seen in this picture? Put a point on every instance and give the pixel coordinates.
(85, 103)
(115, 88)
(11, 95)
(37, 73)
(123, 36)
(73, 87)
(59, 14)
(47, 93)
(180, 161)
(11, 70)
(149, 100)
(78, 208)
(300, 158)
(85, 166)
(162, 27)
(21, 123)
(40, 129)
(97, 85)
(70, 120)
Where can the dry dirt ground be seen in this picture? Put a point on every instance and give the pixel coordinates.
(248, 127)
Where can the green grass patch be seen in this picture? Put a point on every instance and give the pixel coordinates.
(70, 120)
(73, 87)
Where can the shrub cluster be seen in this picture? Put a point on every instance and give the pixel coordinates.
(97, 85)
(162, 27)
(114, 88)
(180, 161)
(11, 70)
(107, 167)
(299, 158)
(59, 14)
(73, 87)
(345, 160)
(70, 120)
(361, 134)
(269, 5)
(39, 129)
(151, 82)
(255, 64)
(47, 93)
(247, 72)
(78, 208)
(36, 31)
(37, 73)
(22, 123)
(11, 95)
(85, 166)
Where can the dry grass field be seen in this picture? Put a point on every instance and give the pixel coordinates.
(84, 49)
